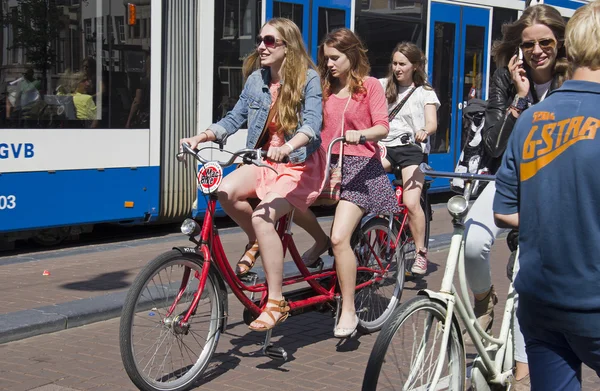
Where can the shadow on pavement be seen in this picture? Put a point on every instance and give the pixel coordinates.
(103, 282)
(292, 335)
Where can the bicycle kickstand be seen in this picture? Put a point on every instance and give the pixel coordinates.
(274, 353)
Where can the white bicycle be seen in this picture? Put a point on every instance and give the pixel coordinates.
(421, 347)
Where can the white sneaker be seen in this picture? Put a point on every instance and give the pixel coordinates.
(420, 264)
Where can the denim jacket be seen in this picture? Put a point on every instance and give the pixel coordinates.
(254, 105)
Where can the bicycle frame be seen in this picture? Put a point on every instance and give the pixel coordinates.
(211, 248)
(449, 295)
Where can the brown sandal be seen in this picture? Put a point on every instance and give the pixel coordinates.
(244, 266)
(281, 307)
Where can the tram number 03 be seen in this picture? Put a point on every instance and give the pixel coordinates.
(8, 202)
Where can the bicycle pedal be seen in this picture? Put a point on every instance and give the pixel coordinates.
(276, 353)
(319, 264)
(249, 277)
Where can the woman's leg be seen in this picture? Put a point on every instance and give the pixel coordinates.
(233, 194)
(272, 207)
(480, 232)
(387, 166)
(413, 180)
(522, 366)
(308, 221)
(347, 217)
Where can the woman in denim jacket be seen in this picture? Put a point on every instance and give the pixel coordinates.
(286, 71)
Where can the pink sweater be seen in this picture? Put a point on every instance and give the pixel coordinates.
(363, 112)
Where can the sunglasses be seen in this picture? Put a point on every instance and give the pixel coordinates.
(545, 44)
(269, 41)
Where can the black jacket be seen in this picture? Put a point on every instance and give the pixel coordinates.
(499, 122)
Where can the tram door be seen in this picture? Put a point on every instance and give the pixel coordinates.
(314, 18)
(458, 53)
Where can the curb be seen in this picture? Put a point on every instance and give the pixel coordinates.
(49, 319)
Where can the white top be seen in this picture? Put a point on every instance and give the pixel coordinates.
(411, 117)
(541, 90)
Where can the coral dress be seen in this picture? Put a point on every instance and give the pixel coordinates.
(300, 184)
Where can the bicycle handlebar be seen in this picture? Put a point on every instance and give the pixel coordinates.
(427, 170)
(249, 156)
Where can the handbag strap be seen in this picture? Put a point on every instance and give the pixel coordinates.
(343, 126)
(262, 139)
(396, 110)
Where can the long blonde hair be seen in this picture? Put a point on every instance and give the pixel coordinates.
(544, 14)
(294, 68)
(349, 44)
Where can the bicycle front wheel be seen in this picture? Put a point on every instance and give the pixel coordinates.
(385, 280)
(159, 351)
(406, 352)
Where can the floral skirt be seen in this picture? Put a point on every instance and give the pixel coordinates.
(365, 183)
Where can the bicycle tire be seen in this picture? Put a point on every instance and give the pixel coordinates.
(373, 309)
(428, 212)
(375, 380)
(140, 304)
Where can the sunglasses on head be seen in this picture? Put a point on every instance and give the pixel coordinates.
(545, 44)
(269, 40)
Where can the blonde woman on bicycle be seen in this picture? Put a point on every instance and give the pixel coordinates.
(286, 89)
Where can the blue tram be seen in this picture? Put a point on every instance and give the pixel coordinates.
(95, 94)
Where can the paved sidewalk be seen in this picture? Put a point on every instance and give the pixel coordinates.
(89, 283)
(88, 358)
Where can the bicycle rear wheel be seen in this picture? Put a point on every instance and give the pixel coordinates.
(376, 302)
(405, 354)
(160, 353)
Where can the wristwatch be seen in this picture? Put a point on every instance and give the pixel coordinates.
(520, 103)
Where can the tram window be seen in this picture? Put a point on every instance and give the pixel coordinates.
(501, 16)
(405, 8)
(330, 19)
(289, 11)
(442, 79)
(89, 78)
(237, 23)
(473, 62)
(375, 30)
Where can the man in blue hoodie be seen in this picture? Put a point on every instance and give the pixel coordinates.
(549, 187)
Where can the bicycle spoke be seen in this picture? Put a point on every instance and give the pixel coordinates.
(163, 349)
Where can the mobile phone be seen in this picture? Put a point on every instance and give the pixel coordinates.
(520, 56)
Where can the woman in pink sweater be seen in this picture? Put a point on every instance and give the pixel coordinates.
(352, 96)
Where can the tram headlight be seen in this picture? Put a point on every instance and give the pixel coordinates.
(190, 227)
(458, 206)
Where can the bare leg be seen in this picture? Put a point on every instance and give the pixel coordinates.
(233, 194)
(347, 217)
(308, 221)
(387, 166)
(413, 180)
(521, 370)
(263, 220)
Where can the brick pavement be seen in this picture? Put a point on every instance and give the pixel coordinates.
(85, 272)
(87, 358)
